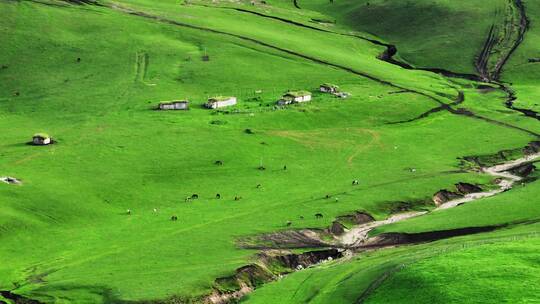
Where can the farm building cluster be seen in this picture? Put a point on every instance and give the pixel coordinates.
(290, 97)
(333, 89)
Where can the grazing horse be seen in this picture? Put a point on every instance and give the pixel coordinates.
(195, 196)
(218, 196)
(319, 215)
(174, 218)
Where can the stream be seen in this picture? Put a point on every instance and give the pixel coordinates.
(358, 235)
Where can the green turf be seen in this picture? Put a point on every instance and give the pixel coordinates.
(487, 268)
(66, 232)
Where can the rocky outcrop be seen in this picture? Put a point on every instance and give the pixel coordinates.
(249, 276)
(357, 218)
(523, 170)
(336, 228)
(394, 239)
(303, 238)
(298, 261)
(17, 299)
(444, 196)
(466, 188)
(532, 148)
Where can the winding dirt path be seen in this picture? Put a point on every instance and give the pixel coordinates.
(356, 236)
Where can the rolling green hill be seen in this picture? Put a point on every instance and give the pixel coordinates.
(90, 221)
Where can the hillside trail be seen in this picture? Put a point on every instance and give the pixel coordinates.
(356, 236)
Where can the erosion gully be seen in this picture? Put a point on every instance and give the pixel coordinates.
(357, 238)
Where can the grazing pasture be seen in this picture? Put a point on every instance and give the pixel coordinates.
(131, 204)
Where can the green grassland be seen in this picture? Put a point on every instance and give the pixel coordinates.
(424, 31)
(66, 236)
(503, 265)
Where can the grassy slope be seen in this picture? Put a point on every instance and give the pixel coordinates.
(503, 265)
(446, 34)
(519, 71)
(69, 238)
(505, 274)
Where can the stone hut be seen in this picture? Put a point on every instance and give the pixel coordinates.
(294, 97)
(41, 139)
(220, 102)
(328, 88)
(174, 105)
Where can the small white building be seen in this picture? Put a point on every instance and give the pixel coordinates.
(294, 97)
(220, 102)
(41, 139)
(328, 88)
(174, 105)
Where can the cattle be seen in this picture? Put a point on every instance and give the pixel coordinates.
(218, 196)
(355, 182)
(174, 218)
(328, 196)
(194, 196)
(237, 198)
(259, 186)
(289, 223)
(218, 162)
(128, 212)
(318, 215)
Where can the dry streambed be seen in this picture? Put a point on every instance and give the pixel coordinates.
(275, 258)
(505, 177)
